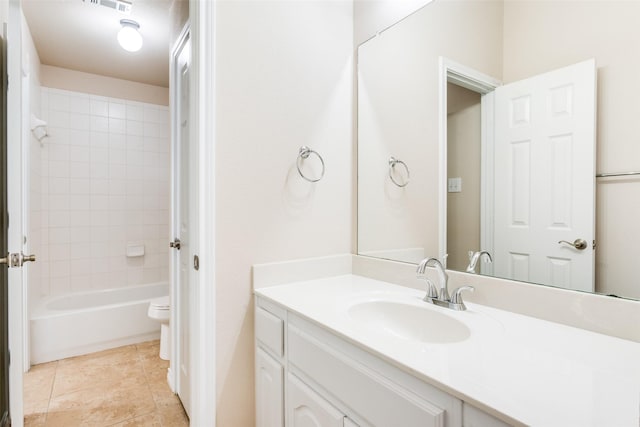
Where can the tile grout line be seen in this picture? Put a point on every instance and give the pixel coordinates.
(53, 381)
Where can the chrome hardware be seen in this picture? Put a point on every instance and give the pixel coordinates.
(579, 244)
(442, 299)
(17, 259)
(392, 164)
(175, 244)
(28, 258)
(456, 298)
(442, 275)
(304, 154)
(196, 262)
(432, 291)
(473, 260)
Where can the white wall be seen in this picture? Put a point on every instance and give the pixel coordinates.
(105, 184)
(373, 16)
(284, 73)
(94, 84)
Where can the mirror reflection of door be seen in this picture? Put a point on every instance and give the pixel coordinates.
(4, 331)
(545, 178)
(543, 156)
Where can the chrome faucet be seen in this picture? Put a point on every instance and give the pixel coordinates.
(473, 260)
(441, 298)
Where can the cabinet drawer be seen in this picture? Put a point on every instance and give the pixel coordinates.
(270, 331)
(373, 397)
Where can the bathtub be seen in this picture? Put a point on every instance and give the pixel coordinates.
(85, 322)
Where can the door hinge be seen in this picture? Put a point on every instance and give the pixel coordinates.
(196, 262)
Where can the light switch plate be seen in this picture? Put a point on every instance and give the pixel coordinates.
(455, 185)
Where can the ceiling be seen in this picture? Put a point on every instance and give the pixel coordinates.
(81, 36)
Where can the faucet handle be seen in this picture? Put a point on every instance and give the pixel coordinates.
(432, 291)
(456, 298)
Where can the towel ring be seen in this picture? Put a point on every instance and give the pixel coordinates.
(304, 154)
(392, 164)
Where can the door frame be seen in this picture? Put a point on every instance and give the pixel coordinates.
(469, 78)
(202, 16)
(202, 94)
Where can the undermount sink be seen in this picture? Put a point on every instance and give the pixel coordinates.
(410, 322)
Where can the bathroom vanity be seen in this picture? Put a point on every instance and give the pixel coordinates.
(353, 351)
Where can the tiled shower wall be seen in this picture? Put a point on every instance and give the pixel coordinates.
(105, 185)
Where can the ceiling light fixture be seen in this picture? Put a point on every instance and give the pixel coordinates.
(128, 36)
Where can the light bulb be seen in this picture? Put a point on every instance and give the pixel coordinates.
(129, 37)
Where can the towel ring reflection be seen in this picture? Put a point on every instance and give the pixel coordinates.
(392, 164)
(304, 154)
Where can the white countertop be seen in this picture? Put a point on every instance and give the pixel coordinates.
(536, 372)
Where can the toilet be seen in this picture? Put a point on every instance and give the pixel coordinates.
(159, 310)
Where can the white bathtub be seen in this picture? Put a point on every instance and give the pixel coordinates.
(85, 322)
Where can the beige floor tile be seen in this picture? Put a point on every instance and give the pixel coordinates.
(101, 407)
(149, 420)
(122, 387)
(35, 420)
(103, 372)
(38, 382)
(174, 416)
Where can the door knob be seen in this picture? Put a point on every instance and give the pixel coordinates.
(175, 244)
(17, 259)
(28, 258)
(579, 244)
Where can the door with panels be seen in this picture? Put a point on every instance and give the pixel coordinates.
(544, 153)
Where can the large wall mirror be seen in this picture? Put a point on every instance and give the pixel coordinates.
(509, 127)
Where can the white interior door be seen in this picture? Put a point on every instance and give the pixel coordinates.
(185, 212)
(15, 127)
(545, 177)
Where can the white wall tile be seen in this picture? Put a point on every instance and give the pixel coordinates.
(58, 102)
(99, 140)
(99, 108)
(117, 110)
(79, 137)
(99, 124)
(78, 170)
(118, 141)
(58, 119)
(135, 112)
(135, 128)
(78, 104)
(117, 126)
(78, 153)
(103, 182)
(79, 121)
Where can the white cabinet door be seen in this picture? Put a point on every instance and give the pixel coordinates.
(308, 409)
(269, 391)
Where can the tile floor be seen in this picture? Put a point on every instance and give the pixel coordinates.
(126, 386)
